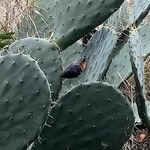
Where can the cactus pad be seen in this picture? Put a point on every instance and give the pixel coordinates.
(137, 61)
(48, 59)
(98, 54)
(120, 68)
(129, 13)
(74, 19)
(24, 101)
(92, 116)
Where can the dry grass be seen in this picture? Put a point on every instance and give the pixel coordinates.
(11, 13)
(138, 141)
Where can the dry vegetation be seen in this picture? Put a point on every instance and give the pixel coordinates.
(11, 12)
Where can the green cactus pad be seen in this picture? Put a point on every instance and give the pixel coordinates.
(120, 19)
(120, 68)
(48, 59)
(135, 111)
(98, 53)
(92, 116)
(74, 19)
(138, 9)
(137, 58)
(137, 61)
(128, 14)
(71, 54)
(24, 101)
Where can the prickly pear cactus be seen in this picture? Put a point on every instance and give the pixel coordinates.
(122, 20)
(88, 117)
(137, 61)
(97, 54)
(24, 101)
(47, 58)
(135, 110)
(70, 25)
(92, 115)
(120, 70)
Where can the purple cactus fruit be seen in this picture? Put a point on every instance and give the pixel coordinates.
(74, 70)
